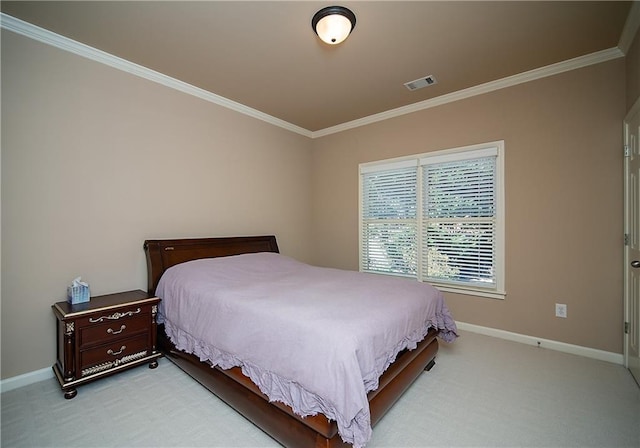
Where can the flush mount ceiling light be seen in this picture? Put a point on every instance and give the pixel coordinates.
(333, 24)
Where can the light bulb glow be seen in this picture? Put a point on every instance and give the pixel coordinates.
(333, 29)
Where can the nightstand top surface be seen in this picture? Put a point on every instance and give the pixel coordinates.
(104, 302)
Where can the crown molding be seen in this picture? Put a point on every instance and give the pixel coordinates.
(50, 38)
(39, 34)
(631, 27)
(531, 75)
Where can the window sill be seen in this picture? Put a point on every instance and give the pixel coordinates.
(471, 292)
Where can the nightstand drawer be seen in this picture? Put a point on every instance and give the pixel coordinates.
(112, 316)
(114, 354)
(111, 331)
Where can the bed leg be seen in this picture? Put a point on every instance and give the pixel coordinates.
(430, 365)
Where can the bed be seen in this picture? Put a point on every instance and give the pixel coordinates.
(233, 386)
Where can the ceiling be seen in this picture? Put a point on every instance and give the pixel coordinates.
(264, 54)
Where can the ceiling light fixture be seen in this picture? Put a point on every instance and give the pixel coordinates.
(333, 24)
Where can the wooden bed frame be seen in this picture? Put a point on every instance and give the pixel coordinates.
(237, 390)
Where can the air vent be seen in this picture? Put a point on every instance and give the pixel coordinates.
(420, 83)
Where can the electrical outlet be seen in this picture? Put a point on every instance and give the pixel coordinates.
(561, 310)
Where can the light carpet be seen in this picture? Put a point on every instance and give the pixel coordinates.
(482, 392)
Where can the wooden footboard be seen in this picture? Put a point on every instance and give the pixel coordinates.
(277, 419)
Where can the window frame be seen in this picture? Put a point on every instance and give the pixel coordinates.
(419, 160)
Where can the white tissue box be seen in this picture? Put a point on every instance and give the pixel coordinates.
(78, 294)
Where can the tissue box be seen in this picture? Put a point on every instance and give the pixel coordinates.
(77, 294)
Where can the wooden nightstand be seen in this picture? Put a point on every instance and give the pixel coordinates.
(106, 335)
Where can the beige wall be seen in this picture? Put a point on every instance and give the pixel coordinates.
(563, 163)
(95, 161)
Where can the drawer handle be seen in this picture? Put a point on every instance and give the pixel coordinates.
(111, 352)
(114, 316)
(111, 330)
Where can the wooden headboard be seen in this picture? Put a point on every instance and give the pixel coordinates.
(162, 254)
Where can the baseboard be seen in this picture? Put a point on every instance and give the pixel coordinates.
(615, 358)
(26, 379)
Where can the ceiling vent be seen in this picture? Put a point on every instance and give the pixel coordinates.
(420, 83)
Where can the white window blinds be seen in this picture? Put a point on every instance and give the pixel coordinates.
(389, 219)
(437, 217)
(459, 221)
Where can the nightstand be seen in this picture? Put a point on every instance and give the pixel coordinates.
(104, 336)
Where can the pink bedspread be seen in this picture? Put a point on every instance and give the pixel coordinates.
(316, 339)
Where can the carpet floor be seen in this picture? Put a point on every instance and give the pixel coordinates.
(482, 392)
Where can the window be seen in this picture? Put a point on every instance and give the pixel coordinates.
(437, 217)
